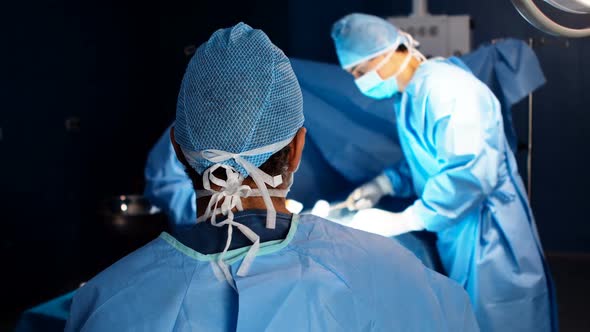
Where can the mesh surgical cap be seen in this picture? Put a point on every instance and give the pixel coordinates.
(239, 93)
(360, 37)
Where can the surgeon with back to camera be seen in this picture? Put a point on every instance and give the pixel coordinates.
(246, 263)
(459, 165)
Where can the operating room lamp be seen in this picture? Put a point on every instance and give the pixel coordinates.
(529, 10)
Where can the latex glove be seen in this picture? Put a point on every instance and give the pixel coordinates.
(367, 195)
(386, 223)
(321, 209)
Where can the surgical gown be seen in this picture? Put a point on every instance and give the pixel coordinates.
(460, 166)
(167, 185)
(320, 277)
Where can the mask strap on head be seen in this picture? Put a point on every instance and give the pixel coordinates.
(412, 45)
(412, 52)
(230, 196)
(384, 61)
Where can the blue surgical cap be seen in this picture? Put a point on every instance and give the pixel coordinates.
(238, 93)
(360, 37)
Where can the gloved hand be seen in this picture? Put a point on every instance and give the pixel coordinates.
(321, 209)
(367, 195)
(386, 223)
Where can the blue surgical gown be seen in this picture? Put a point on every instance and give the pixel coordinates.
(321, 277)
(167, 185)
(458, 162)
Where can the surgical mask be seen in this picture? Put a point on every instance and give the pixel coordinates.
(373, 86)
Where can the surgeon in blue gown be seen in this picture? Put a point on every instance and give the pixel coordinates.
(167, 186)
(459, 165)
(245, 263)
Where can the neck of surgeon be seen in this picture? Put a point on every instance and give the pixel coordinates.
(407, 74)
(395, 63)
(251, 202)
(282, 163)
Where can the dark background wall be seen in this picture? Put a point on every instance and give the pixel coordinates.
(88, 86)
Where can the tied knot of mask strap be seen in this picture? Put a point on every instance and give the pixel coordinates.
(230, 194)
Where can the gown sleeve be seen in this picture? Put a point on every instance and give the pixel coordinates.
(466, 138)
(167, 185)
